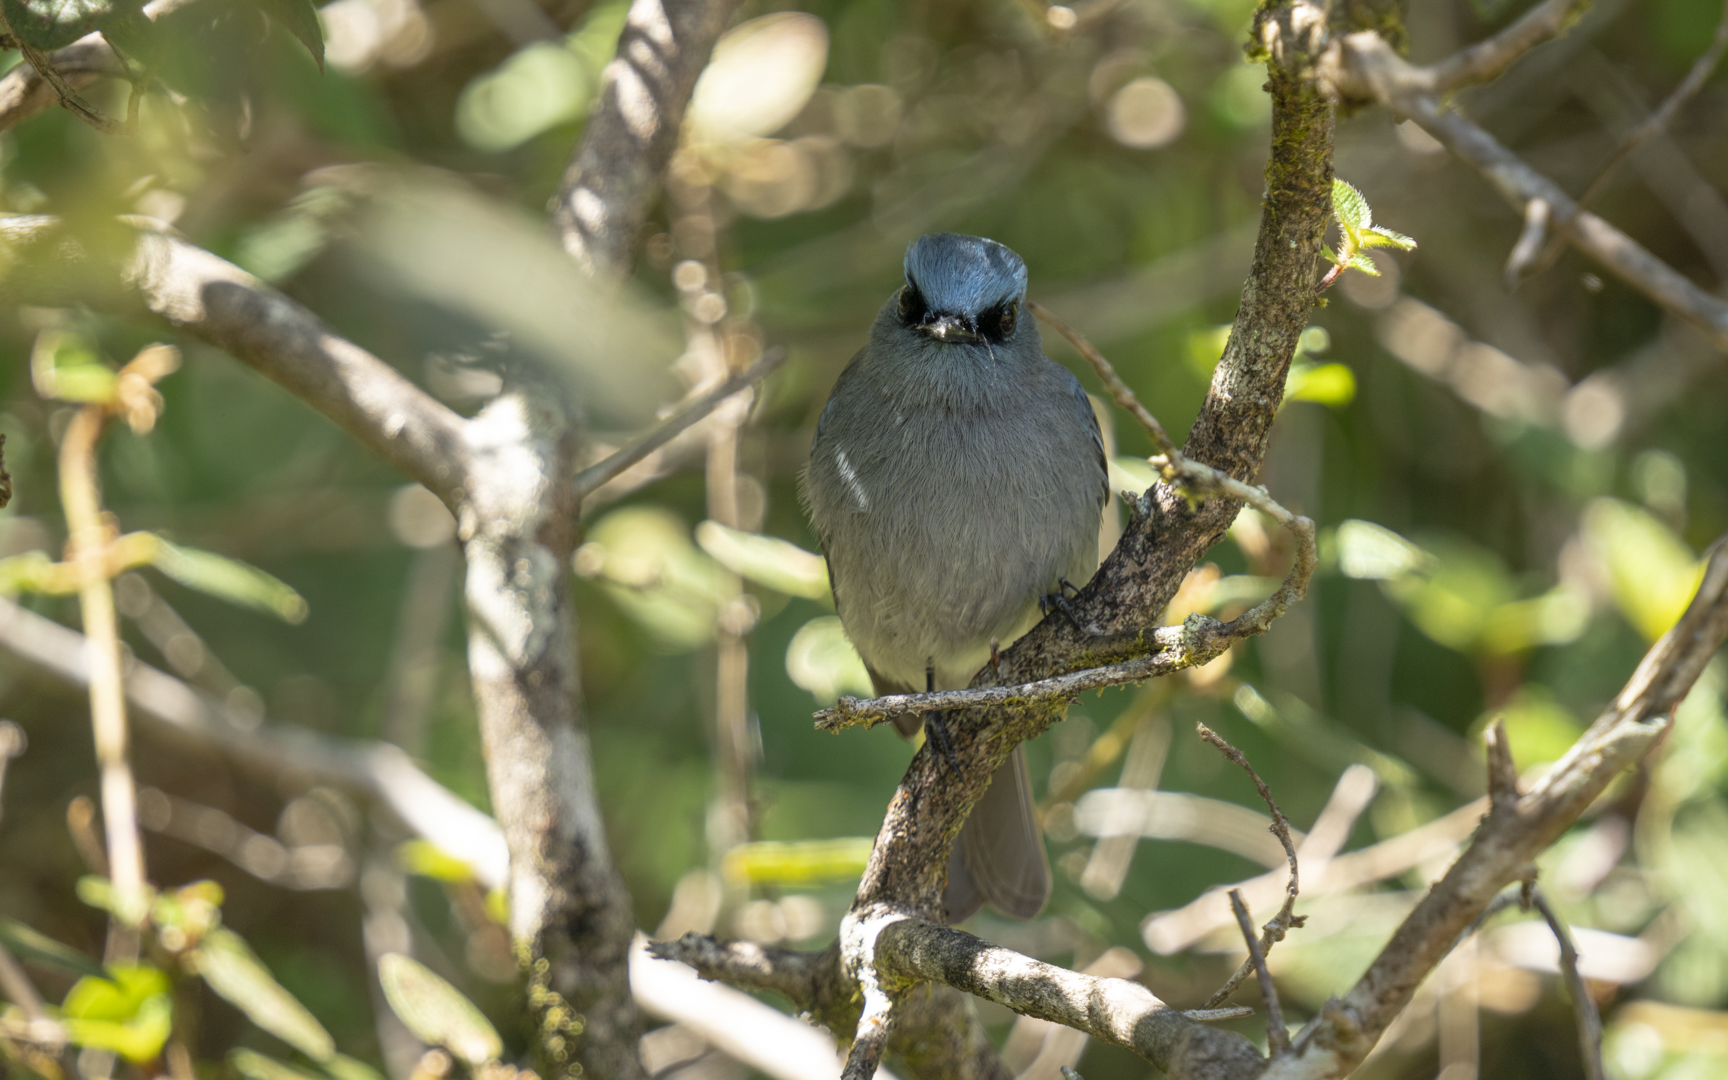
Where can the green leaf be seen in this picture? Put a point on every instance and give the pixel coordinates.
(424, 858)
(231, 968)
(28, 944)
(1652, 573)
(1370, 552)
(50, 24)
(436, 1012)
(1333, 385)
(1381, 236)
(1350, 207)
(803, 862)
(299, 18)
(138, 1039)
(255, 1066)
(820, 658)
(780, 565)
(1359, 261)
(130, 1013)
(231, 580)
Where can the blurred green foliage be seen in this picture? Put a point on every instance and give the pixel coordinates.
(1514, 489)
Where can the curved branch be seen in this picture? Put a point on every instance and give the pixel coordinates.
(1515, 831)
(612, 181)
(224, 305)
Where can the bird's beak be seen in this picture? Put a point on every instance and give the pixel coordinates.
(950, 328)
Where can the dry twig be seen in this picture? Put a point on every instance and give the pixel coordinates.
(1583, 1005)
(599, 473)
(1647, 129)
(1286, 918)
(1364, 68)
(1277, 1036)
(90, 534)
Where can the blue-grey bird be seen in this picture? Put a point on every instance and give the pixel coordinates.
(957, 480)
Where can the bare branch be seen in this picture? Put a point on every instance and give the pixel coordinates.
(1513, 834)
(670, 428)
(1117, 1011)
(629, 138)
(1658, 121)
(1119, 390)
(24, 92)
(224, 305)
(1583, 1005)
(745, 1029)
(1366, 68)
(1647, 129)
(1485, 60)
(1286, 917)
(794, 975)
(1277, 1036)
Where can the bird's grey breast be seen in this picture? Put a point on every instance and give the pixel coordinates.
(945, 515)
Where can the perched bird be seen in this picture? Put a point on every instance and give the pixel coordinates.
(956, 482)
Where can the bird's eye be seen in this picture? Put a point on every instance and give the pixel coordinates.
(910, 302)
(1010, 314)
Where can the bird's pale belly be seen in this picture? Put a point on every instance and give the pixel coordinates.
(953, 586)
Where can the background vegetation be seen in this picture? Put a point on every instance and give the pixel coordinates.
(1551, 457)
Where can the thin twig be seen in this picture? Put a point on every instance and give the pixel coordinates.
(1485, 60)
(1647, 129)
(1528, 250)
(70, 98)
(1366, 69)
(594, 475)
(1277, 1036)
(1275, 930)
(88, 541)
(1119, 390)
(1583, 1005)
(1658, 121)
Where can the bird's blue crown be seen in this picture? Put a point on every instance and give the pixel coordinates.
(964, 275)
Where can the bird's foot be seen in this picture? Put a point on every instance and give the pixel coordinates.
(1059, 601)
(937, 728)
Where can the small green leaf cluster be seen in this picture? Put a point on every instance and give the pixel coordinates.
(129, 1009)
(1358, 233)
